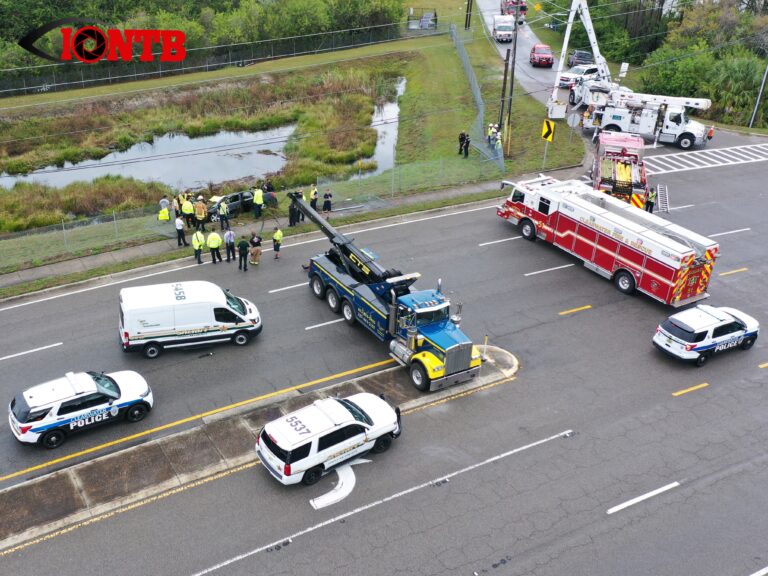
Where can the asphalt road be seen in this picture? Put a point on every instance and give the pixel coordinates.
(521, 499)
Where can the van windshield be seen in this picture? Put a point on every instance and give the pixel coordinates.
(235, 303)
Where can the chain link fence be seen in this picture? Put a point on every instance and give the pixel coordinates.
(81, 237)
(477, 130)
(57, 77)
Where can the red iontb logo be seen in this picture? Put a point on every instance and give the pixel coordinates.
(90, 44)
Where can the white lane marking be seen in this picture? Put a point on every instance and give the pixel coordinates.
(30, 351)
(498, 241)
(681, 207)
(372, 229)
(324, 324)
(730, 232)
(99, 286)
(287, 288)
(762, 572)
(376, 503)
(548, 270)
(629, 503)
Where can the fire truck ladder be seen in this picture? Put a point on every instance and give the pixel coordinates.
(662, 194)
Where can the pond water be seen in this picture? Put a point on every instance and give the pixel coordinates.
(178, 160)
(184, 162)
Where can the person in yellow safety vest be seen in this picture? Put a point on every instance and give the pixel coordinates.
(164, 215)
(277, 240)
(224, 214)
(176, 206)
(201, 213)
(650, 200)
(188, 210)
(497, 147)
(258, 201)
(214, 243)
(304, 198)
(490, 133)
(313, 197)
(198, 243)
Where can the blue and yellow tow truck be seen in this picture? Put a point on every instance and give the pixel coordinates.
(423, 336)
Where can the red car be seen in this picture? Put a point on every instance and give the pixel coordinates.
(541, 55)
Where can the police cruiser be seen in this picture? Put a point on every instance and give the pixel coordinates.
(47, 413)
(307, 443)
(698, 333)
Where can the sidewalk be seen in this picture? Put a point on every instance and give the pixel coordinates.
(154, 248)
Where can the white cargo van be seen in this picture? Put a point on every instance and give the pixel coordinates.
(184, 314)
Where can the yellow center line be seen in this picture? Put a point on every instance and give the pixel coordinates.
(572, 310)
(691, 389)
(763, 365)
(733, 271)
(175, 423)
(207, 479)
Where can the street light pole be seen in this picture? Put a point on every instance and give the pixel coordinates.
(504, 88)
(508, 123)
(759, 97)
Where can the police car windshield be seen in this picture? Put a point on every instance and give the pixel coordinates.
(235, 303)
(431, 316)
(105, 385)
(357, 412)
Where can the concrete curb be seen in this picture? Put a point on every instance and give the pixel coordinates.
(221, 443)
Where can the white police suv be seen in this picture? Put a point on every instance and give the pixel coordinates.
(307, 443)
(47, 413)
(698, 333)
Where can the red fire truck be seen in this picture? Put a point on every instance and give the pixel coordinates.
(619, 169)
(512, 7)
(633, 248)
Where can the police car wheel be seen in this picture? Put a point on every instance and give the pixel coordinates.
(625, 282)
(419, 377)
(528, 230)
(702, 359)
(53, 439)
(333, 300)
(748, 343)
(348, 312)
(152, 350)
(382, 444)
(240, 339)
(137, 412)
(318, 288)
(312, 476)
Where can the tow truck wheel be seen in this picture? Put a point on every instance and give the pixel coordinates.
(348, 312)
(419, 377)
(318, 288)
(528, 230)
(333, 300)
(686, 141)
(748, 343)
(625, 282)
(53, 439)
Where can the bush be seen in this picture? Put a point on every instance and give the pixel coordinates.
(678, 71)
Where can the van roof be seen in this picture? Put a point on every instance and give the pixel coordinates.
(71, 385)
(319, 417)
(162, 295)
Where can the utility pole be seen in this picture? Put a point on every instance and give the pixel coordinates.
(508, 124)
(504, 88)
(759, 97)
(468, 17)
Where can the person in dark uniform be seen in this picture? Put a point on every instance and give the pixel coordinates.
(242, 248)
(462, 139)
(293, 215)
(327, 198)
(466, 146)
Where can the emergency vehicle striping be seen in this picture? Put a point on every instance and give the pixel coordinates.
(219, 476)
(638, 201)
(691, 389)
(572, 310)
(30, 351)
(733, 271)
(196, 417)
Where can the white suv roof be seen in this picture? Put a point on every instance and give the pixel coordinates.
(702, 317)
(71, 385)
(319, 417)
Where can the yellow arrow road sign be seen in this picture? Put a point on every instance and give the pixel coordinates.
(548, 130)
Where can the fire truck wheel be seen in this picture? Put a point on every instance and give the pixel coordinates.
(611, 128)
(333, 300)
(419, 377)
(318, 288)
(348, 312)
(686, 141)
(702, 359)
(528, 230)
(748, 343)
(625, 282)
